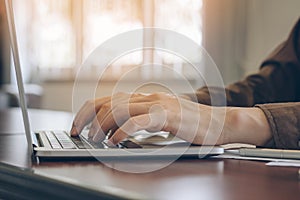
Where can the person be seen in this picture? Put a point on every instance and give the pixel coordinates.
(263, 109)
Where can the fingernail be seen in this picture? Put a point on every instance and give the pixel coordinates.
(92, 132)
(95, 139)
(98, 137)
(109, 142)
(73, 131)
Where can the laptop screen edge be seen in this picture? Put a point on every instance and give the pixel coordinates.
(16, 59)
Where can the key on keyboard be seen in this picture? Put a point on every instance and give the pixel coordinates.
(80, 143)
(59, 140)
(52, 140)
(97, 145)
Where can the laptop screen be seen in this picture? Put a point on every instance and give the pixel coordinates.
(17, 65)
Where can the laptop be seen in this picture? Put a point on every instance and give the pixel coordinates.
(58, 144)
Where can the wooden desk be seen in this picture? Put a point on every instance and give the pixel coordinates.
(183, 179)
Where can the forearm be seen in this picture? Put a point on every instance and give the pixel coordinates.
(223, 125)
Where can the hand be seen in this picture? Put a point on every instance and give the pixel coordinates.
(123, 114)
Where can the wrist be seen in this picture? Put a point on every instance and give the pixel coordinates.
(246, 125)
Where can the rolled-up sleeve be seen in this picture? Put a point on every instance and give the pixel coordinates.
(275, 89)
(284, 121)
(278, 79)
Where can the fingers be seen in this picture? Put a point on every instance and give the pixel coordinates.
(109, 113)
(137, 123)
(110, 120)
(96, 131)
(90, 109)
(86, 114)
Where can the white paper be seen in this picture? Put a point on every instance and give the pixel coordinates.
(238, 157)
(284, 164)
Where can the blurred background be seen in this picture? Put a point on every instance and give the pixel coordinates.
(56, 36)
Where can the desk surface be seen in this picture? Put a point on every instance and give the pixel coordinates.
(183, 179)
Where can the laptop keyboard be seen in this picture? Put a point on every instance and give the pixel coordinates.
(60, 140)
(79, 143)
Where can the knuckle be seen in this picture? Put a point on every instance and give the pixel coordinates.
(106, 106)
(158, 96)
(89, 102)
(154, 96)
(121, 110)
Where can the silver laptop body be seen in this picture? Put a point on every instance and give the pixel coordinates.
(42, 144)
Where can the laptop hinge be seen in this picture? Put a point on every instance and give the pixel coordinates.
(34, 140)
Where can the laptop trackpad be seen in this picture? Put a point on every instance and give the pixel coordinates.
(148, 140)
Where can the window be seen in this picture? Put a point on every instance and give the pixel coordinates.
(60, 34)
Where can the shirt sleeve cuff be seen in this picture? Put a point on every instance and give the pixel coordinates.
(284, 121)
